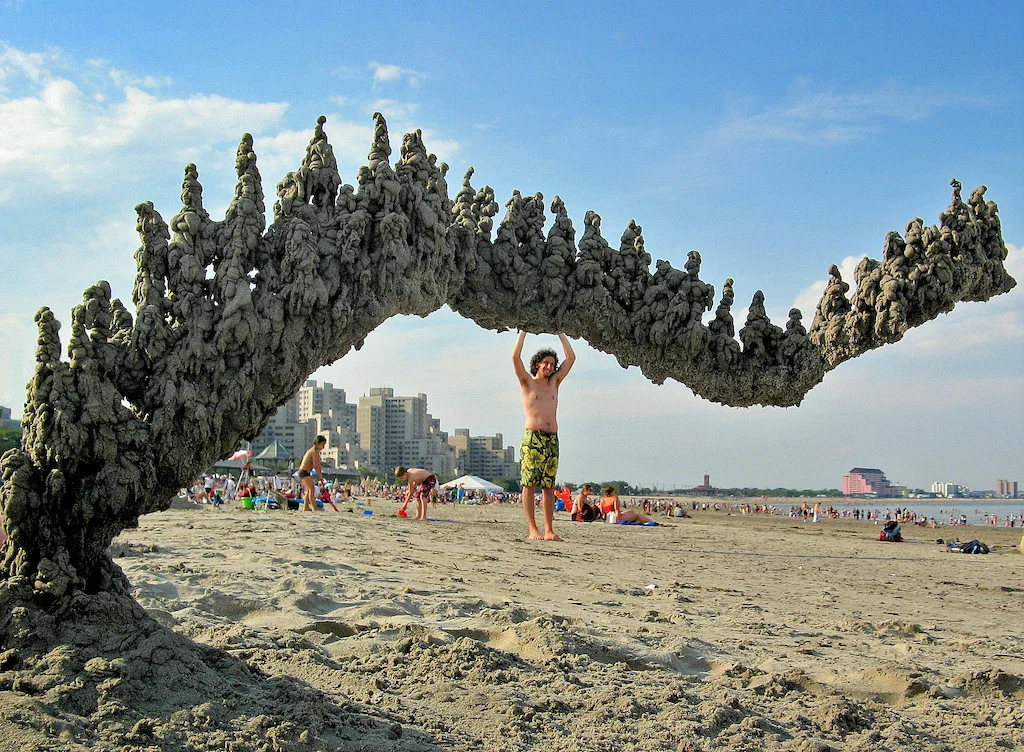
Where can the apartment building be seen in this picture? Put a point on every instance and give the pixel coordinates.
(1006, 489)
(381, 431)
(949, 490)
(483, 456)
(396, 430)
(862, 481)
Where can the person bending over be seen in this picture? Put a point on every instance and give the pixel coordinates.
(539, 391)
(421, 483)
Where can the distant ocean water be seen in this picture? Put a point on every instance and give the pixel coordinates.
(941, 509)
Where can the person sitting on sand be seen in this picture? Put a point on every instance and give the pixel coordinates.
(421, 483)
(610, 505)
(310, 464)
(891, 532)
(582, 508)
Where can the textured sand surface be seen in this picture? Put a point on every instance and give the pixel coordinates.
(717, 632)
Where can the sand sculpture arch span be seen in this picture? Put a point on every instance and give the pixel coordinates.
(230, 317)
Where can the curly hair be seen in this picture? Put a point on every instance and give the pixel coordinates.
(539, 356)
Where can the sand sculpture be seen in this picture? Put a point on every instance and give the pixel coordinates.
(230, 317)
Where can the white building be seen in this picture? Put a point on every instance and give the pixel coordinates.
(949, 490)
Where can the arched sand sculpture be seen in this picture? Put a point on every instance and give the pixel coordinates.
(230, 317)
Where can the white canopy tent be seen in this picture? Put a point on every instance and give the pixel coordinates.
(473, 483)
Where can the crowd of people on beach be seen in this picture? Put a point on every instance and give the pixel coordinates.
(285, 491)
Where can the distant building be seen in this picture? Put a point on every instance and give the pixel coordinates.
(1007, 489)
(325, 400)
(380, 432)
(483, 456)
(705, 488)
(864, 481)
(284, 427)
(399, 431)
(6, 421)
(949, 490)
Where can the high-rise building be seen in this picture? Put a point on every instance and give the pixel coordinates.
(1006, 489)
(399, 431)
(861, 481)
(483, 456)
(315, 410)
(316, 400)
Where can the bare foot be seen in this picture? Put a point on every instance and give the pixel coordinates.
(551, 536)
(535, 535)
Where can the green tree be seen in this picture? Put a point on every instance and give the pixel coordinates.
(10, 437)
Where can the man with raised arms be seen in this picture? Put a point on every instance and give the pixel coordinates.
(539, 389)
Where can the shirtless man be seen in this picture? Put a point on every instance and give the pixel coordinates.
(421, 483)
(539, 389)
(311, 462)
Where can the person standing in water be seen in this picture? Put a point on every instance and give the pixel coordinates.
(539, 391)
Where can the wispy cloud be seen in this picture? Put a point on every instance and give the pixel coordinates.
(812, 113)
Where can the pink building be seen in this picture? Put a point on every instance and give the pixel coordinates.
(866, 480)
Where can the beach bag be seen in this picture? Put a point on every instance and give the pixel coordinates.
(587, 514)
(974, 547)
(611, 517)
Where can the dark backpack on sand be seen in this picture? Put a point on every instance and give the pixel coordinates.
(974, 547)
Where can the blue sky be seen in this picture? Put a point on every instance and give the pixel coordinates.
(776, 139)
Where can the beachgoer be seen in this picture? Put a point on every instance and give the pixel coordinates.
(610, 504)
(582, 509)
(421, 483)
(310, 464)
(539, 459)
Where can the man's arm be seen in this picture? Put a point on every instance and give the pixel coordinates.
(517, 358)
(567, 361)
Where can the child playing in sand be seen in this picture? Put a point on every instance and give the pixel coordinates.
(421, 483)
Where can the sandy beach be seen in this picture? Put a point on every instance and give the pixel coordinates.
(714, 632)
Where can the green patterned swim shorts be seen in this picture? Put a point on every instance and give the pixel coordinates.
(539, 458)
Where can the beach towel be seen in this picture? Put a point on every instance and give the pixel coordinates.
(652, 523)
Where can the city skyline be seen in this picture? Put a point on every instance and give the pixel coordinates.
(774, 143)
(843, 485)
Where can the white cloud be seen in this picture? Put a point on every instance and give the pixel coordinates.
(813, 114)
(387, 73)
(59, 136)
